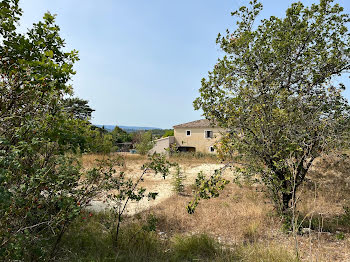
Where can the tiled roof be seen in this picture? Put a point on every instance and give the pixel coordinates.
(197, 123)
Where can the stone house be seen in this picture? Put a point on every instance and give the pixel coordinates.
(195, 136)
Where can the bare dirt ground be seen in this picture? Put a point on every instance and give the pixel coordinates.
(155, 183)
(243, 214)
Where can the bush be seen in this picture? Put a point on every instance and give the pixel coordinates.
(178, 181)
(151, 223)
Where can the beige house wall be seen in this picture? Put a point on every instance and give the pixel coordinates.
(197, 138)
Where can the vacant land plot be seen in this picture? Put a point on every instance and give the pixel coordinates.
(243, 215)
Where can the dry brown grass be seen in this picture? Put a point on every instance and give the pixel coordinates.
(234, 216)
(89, 160)
(244, 215)
(190, 159)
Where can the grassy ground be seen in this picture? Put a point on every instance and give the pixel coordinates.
(240, 225)
(92, 239)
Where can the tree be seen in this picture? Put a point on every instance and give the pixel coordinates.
(100, 141)
(42, 186)
(145, 144)
(121, 190)
(39, 193)
(120, 136)
(77, 107)
(274, 90)
(169, 132)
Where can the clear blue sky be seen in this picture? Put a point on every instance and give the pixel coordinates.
(142, 61)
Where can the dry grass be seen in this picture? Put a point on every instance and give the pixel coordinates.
(89, 160)
(235, 217)
(243, 215)
(194, 158)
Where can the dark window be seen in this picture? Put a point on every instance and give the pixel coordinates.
(208, 134)
(212, 149)
(188, 132)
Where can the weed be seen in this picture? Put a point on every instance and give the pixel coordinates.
(252, 232)
(340, 236)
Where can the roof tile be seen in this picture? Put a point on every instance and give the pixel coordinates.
(197, 123)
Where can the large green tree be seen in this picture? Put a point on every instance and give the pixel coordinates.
(120, 136)
(39, 193)
(78, 108)
(42, 187)
(275, 91)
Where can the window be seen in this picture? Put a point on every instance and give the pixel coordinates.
(211, 149)
(208, 134)
(188, 132)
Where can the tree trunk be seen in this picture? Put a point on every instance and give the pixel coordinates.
(286, 198)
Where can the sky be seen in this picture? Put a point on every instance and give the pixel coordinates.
(142, 61)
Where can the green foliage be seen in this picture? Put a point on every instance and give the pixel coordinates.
(158, 133)
(347, 213)
(78, 108)
(122, 190)
(42, 187)
(120, 136)
(274, 91)
(100, 141)
(340, 236)
(178, 181)
(169, 132)
(88, 239)
(145, 144)
(206, 188)
(151, 224)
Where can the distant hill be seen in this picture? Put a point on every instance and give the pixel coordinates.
(128, 129)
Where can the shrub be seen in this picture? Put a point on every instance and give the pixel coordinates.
(151, 224)
(178, 181)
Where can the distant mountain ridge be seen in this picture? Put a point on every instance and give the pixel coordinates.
(128, 128)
